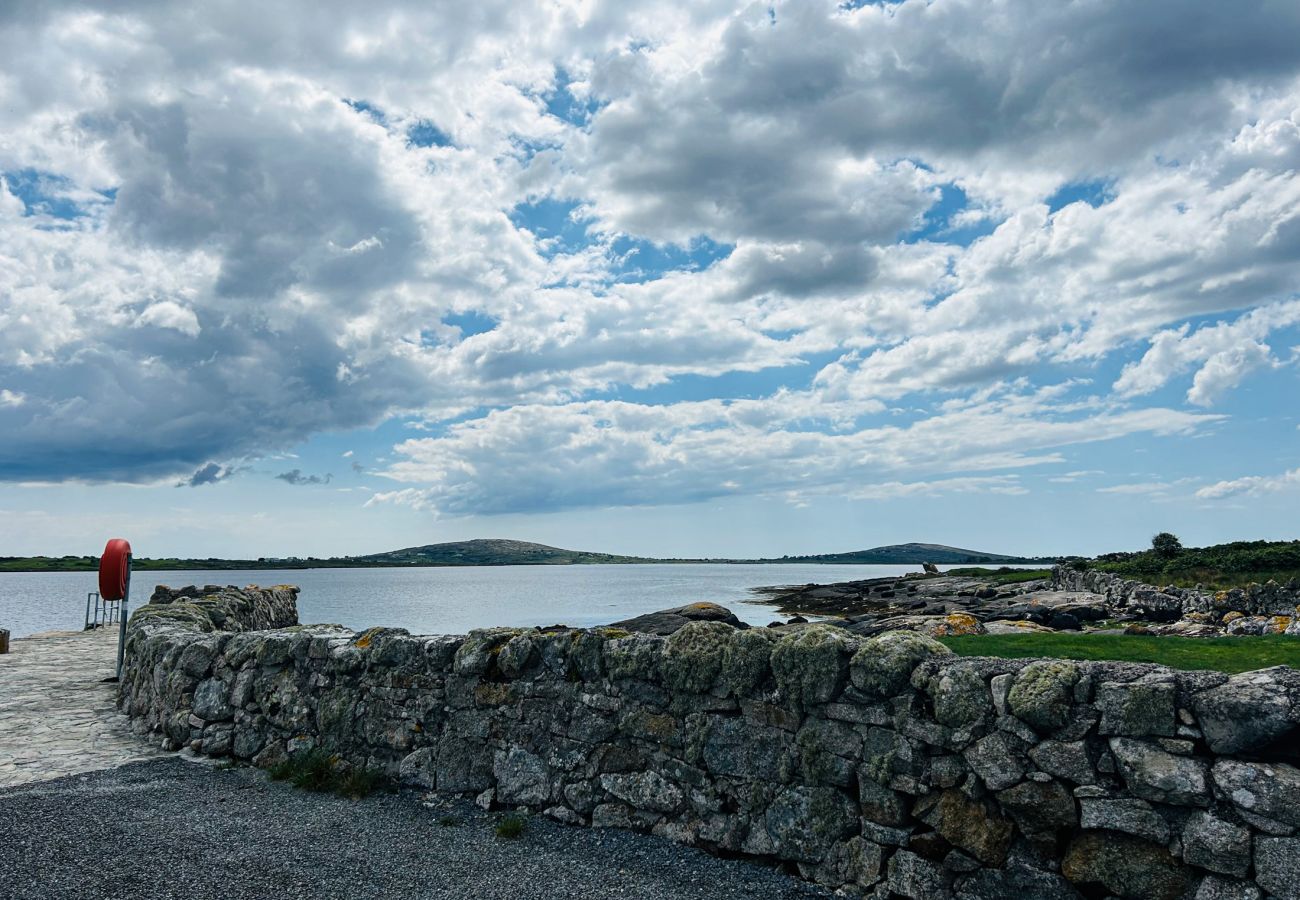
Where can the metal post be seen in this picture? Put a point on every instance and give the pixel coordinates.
(88, 625)
(121, 618)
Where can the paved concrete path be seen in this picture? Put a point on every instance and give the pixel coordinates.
(57, 716)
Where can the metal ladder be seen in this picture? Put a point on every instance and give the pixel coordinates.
(100, 612)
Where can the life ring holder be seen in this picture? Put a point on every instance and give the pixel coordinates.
(115, 584)
(115, 569)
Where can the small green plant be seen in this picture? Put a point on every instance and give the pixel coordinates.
(319, 770)
(511, 826)
(359, 782)
(448, 821)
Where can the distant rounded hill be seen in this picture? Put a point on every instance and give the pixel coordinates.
(491, 552)
(940, 554)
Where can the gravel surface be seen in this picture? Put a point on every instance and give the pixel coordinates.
(176, 829)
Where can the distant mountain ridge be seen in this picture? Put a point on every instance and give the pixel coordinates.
(492, 552)
(497, 552)
(940, 554)
(502, 552)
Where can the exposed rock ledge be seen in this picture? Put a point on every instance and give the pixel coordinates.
(1069, 601)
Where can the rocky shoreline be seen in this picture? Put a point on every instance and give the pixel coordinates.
(1068, 600)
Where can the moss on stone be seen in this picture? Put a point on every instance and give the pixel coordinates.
(960, 696)
(1042, 693)
(883, 666)
(745, 662)
(811, 665)
(692, 656)
(636, 656)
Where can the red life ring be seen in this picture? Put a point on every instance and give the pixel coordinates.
(115, 569)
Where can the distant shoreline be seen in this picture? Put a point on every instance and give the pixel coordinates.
(46, 564)
(506, 552)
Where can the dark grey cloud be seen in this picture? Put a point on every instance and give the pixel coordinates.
(282, 201)
(209, 473)
(296, 476)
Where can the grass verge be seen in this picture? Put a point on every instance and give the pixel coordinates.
(1226, 654)
(317, 770)
(1003, 575)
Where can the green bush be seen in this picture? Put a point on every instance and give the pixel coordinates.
(1166, 545)
(1220, 566)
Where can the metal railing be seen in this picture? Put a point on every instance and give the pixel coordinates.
(100, 612)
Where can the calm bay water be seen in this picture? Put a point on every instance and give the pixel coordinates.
(448, 600)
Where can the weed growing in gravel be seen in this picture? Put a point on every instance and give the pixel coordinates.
(358, 783)
(448, 821)
(317, 770)
(511, 826)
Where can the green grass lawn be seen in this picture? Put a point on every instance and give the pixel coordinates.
(1226, 654)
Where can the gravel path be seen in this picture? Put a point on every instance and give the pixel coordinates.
(175, 829)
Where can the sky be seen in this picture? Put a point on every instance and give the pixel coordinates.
(706, 279)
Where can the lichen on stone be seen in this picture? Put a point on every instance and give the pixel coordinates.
(957, 624)
(635, 656)
(1042, 693)
(746, 659)
(960, 696)
(476, 655)
(811, 665)
(692, 656)
(516, 655)
(883, 666)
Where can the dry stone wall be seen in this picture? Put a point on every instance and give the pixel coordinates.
(884, 766)
(1268, 608)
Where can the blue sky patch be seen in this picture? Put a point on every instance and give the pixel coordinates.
(637, 260)
(939, 225)
(367, 109)
(561, 102)
(1093, 193)
(425, 134)
(730, 385)
(471, 322)
(552, 221)
(44, 194)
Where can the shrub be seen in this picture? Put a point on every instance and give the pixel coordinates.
(511, 826)
(318, 770)
(1166, 545)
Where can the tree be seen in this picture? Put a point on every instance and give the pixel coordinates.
(1166, 545)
